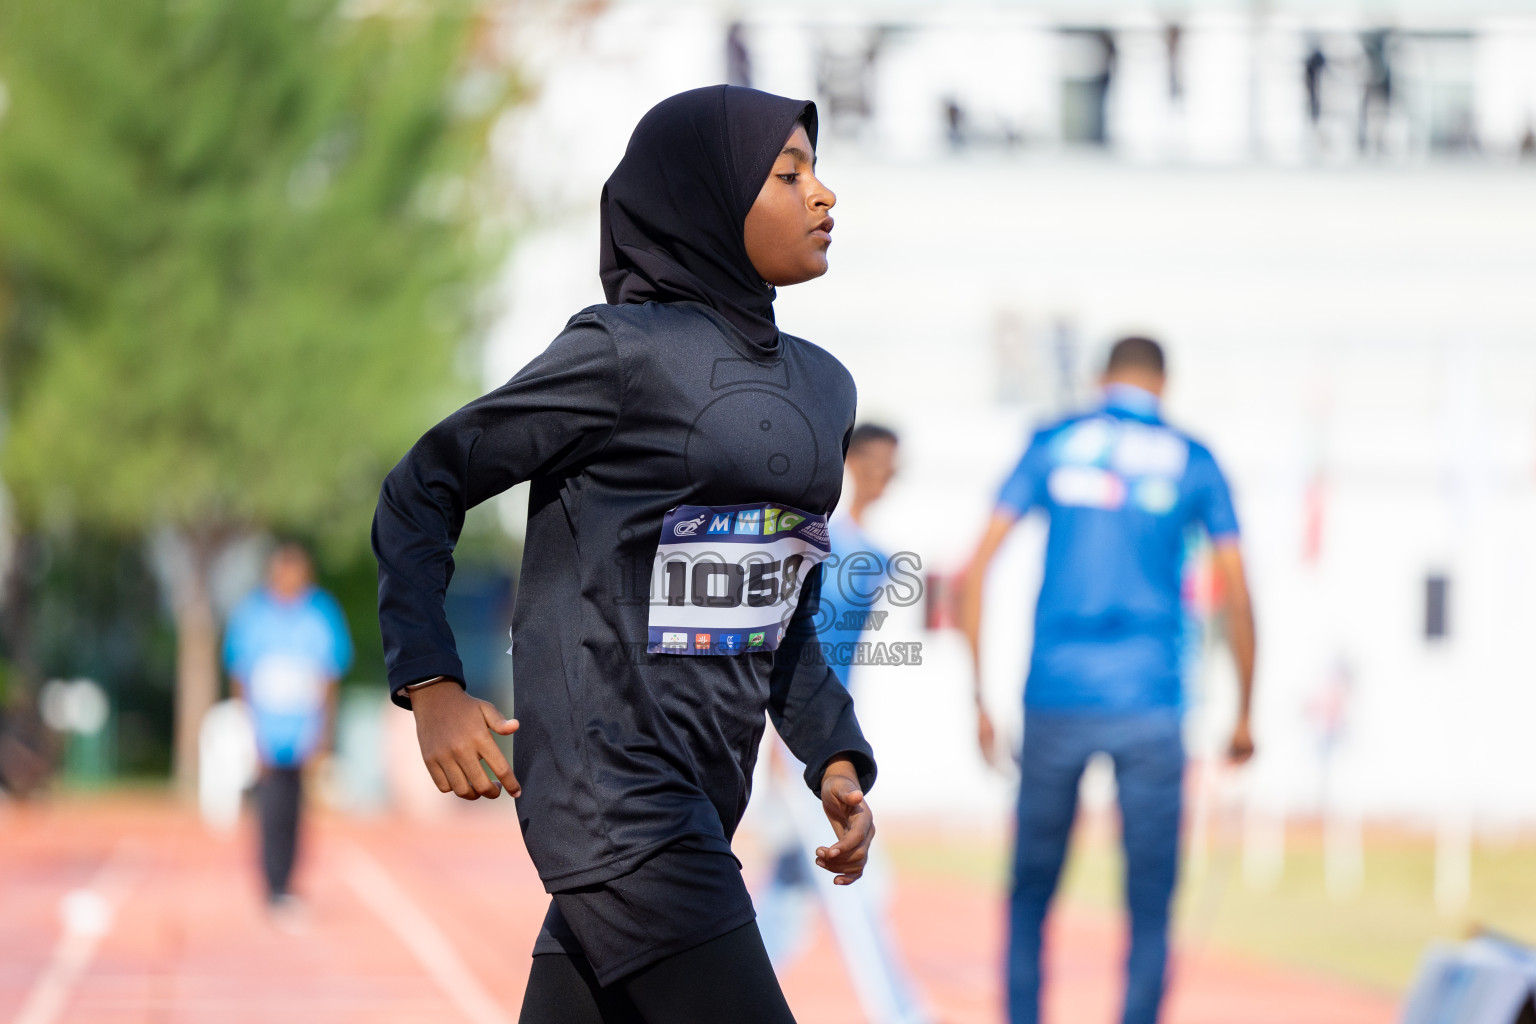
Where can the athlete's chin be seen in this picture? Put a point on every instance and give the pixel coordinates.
(811, 269)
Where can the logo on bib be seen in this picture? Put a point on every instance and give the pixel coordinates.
(688, 527)
(817, 531)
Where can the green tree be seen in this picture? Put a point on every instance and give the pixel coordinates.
(240, 248)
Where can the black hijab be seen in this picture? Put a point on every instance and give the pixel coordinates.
(674, 208)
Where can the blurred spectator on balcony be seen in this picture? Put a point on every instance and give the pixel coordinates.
(1173, 43)
(1312, 70)
(738, 59)
(954, 123)
(1376, 93)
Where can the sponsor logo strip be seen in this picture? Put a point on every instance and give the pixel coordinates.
(734, 641)
(742, 524)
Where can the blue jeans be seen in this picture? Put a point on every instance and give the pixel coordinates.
(1148, 753)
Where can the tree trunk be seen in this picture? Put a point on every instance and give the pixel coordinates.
(197, 655)
(16, 604)
(28, 753)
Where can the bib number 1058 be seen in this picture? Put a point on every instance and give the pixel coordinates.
(708, 583)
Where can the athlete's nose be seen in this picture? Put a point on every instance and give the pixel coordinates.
(821, 198)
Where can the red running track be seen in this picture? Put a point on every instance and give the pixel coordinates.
(129, 912)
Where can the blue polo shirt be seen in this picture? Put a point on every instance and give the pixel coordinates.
(287, 654)
(1122, 490)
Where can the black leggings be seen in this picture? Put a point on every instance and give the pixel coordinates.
(725, 979)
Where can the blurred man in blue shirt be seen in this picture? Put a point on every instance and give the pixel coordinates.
(285, 648)
(1121, 490)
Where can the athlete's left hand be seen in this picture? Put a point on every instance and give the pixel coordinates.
(843, 800)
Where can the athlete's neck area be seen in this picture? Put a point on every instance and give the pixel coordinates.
(1132, 399)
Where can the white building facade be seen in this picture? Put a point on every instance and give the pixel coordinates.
(1341, 274)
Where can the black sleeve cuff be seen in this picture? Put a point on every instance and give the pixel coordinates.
(863, 765)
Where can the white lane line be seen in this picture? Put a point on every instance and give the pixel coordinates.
(86, 916)
(380, 893)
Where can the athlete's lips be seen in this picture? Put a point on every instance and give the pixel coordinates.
(823, 230)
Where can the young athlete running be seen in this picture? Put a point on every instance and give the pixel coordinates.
(684, 454)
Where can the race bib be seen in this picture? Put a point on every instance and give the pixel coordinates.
(727, 579)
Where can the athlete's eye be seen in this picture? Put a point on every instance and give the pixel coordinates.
(789, 178)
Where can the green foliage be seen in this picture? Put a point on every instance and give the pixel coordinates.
(240, 249)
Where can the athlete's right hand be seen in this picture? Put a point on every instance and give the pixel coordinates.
(455, 732)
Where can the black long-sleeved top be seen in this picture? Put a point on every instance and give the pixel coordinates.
(632, 410)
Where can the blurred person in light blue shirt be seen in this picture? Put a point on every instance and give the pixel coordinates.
(285, 648)
(853, 591)
(855, 579)
(1121, 490)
